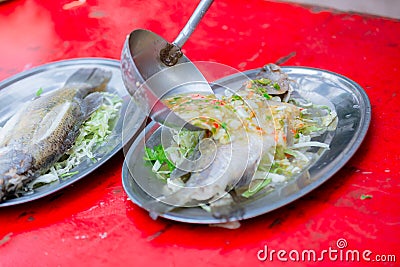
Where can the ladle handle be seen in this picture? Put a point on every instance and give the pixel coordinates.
(192, 23)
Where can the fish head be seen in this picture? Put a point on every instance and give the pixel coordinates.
(14, 170)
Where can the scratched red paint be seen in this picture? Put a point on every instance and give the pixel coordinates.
(93, 224)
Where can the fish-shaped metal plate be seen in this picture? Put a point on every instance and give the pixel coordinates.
(17, 90)
(321, 87)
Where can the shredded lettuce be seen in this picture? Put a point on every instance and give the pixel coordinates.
(43, 180)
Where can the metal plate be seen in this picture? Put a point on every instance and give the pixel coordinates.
(22, 87)
(321, 87)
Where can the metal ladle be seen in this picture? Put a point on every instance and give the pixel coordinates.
(152, 69)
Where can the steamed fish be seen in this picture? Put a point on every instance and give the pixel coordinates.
(35, 137)
(249, 133)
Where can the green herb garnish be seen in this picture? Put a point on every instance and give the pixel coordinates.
(267, 96)
(263, 81)
(157, 153)
(39, 92)
(236, 97)
(68, 174)
(261, 185)
(309, 129)
(223, 125)
(362, 197)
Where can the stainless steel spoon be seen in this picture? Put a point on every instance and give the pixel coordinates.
(152, 69)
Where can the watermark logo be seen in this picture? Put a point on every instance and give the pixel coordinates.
(339, 253)
(341, 243)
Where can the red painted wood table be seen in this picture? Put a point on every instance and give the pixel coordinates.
(92, 223)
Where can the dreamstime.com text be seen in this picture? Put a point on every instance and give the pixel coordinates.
(340, 253)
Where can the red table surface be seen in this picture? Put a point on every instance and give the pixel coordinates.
(92, 223)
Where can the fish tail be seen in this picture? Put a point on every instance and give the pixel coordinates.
(95, 79)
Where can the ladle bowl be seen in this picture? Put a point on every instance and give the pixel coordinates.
(148, 79)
